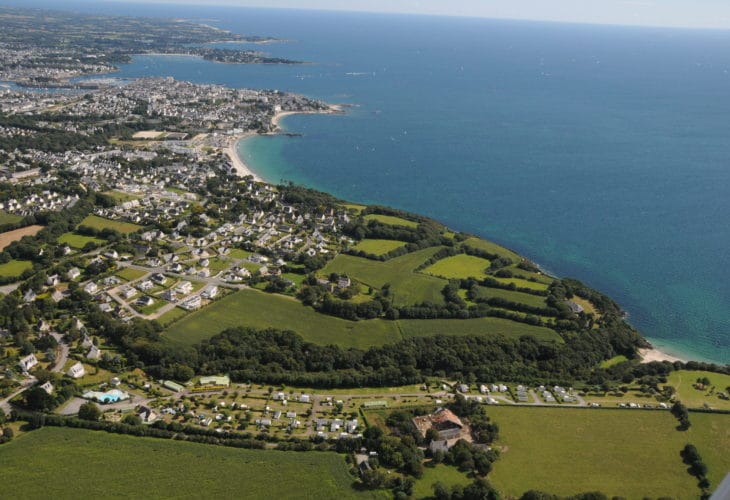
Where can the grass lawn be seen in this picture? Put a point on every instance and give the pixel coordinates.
(476, 326)
(460, 266)
(378, 247)
(78, 241)
(6, 218)
(522, 298)
(627, 453)
(264, 310)
(218, 264)
(106, 465)
(130, 274)
(390, 220)
(445, 474)
(407, 286)
(15, 268)
(490, 247)
(99, 223)
(683, 381)
(614, 361)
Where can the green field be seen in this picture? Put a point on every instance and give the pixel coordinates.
(237, 253)
(171, 316)
(69, 461)
(78, 241)
(477, 326)
(390, 220)
(445, 474)
(99, 223)
(627, 453)
(6, 218)
(519, 297)
(263, 310)
(14, 268)
(378, 247)
(130, 274)
(490, 247)
(683, 381)
(407, 286)
(460, 266)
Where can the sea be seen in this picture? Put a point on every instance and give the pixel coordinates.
(600, 152)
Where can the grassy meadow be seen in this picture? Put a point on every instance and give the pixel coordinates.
(407, 286)
(476, 326)
(627, 453)
(378, 247)
(490, 247)
(512, 296)
(390, 220)
(445, 474)
(68, 461)
(78, 241)
(460, 266)
(263, 310)
(6, 218)
(683, 381)
(15, 268)
(99, 223)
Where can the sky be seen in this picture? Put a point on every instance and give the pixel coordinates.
(670, 13)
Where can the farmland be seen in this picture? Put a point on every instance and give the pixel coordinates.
(14, 268)
(439, 474)
(8, 237)
(631, 454)
(99, 223)
(262, 310)
(460, 266)
(109, 464)
(378, 247)
(390, 220)
(477, 326)
(407, 286)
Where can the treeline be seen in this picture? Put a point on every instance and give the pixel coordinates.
(275, 356)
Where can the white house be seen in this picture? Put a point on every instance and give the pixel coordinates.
(73, 273)
(76, 371)
(48, 387)
(91, 287)
(28, 362)
(210, 292)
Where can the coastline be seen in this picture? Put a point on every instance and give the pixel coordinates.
(652, 354)
(240, 166)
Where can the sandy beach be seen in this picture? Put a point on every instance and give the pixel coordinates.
(232, 151)
(649, 355)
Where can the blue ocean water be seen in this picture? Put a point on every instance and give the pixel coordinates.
(602, 153)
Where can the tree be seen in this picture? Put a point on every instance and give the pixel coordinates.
(373, 479)
(89, 411)
(39, 400)
(8, 433)
(131, 419)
